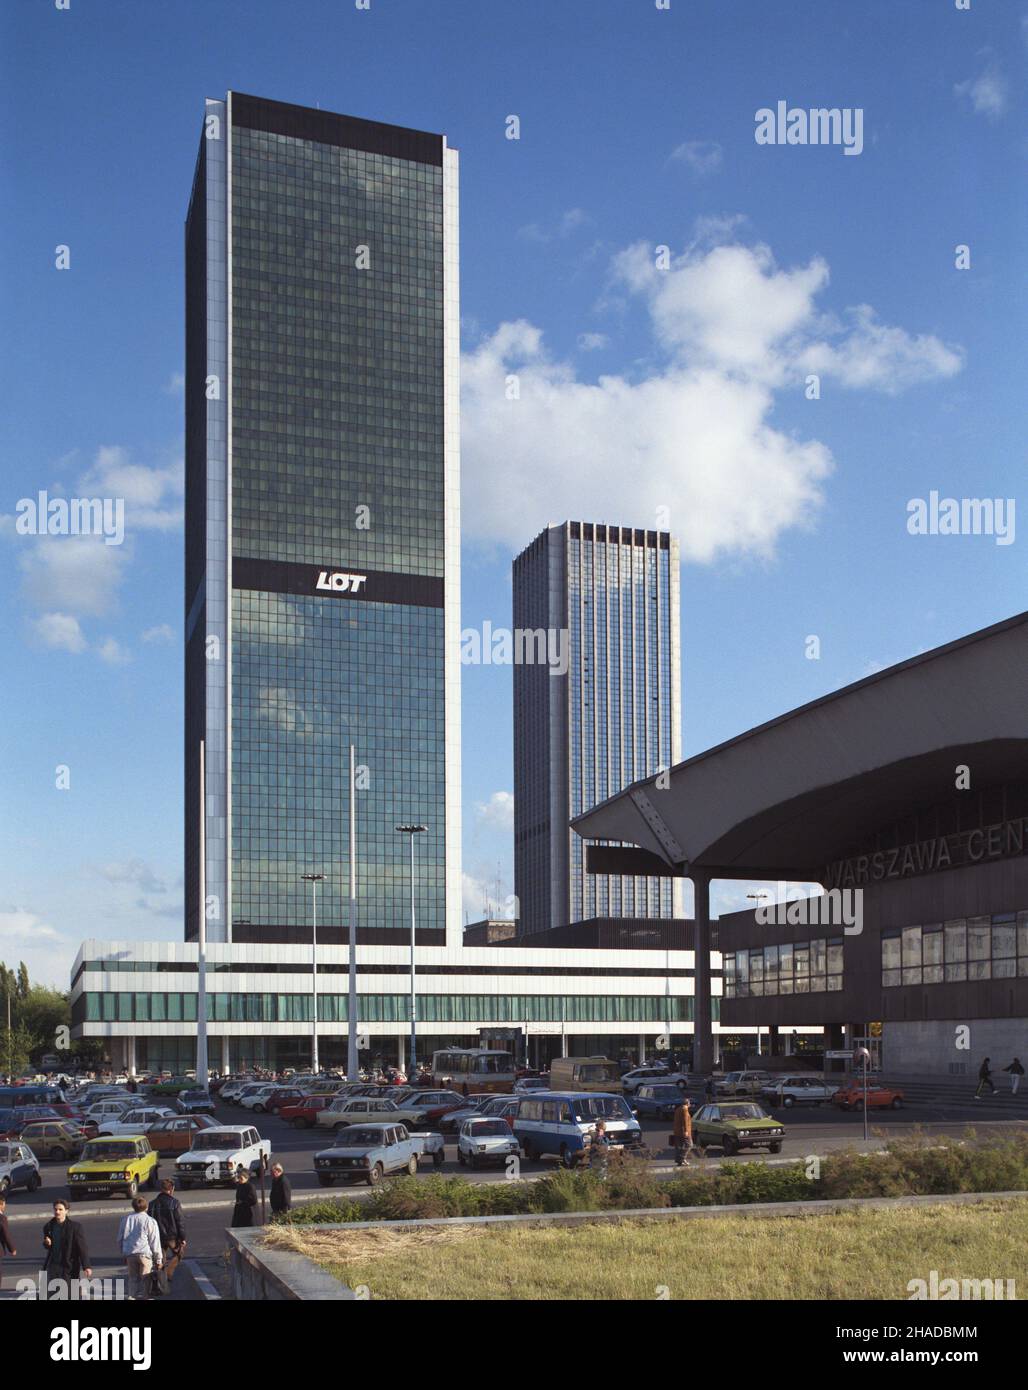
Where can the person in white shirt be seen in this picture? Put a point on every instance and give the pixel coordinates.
(139, 1239)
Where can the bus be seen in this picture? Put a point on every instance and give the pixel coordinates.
(585, 1074)
(471, 1069)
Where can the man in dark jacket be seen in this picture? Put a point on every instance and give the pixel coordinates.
(6, 1245)
(281, 1192)
(65, 1244)
(985, 1079)
(246, 1201)
(166, 1210)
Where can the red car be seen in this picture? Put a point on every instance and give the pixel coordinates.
(301, 1113)
(851, 1097)
(284, 1095)
(434, 1112)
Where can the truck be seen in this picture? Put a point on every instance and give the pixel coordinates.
(368, 1152)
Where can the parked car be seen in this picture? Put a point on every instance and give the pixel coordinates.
(253, 1094)
(218, 1154)
(344, 1111)
(174, 1135)
(429, 1113)
(451, 1122)
(561, 1122)
(196, 1102)
(483, 1141)
(136, 1121)
(851, 1096)
(742, 1083)
(797, 1090)
(732, 1125)
(19, 1167)
(110, 1109)
(649, 1075)
(54, 1140)
(113, 1166)
(281, 1095)
(303, 1114)
(526, 1085)
(656, 1100)
(502, 1107)
(231, 1089)
(14, 1121)
(366, 1153)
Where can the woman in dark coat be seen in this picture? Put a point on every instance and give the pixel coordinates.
(281, 1191)
(65, 1245)
(246, 1201)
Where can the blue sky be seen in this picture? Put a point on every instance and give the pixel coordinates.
(641, 388)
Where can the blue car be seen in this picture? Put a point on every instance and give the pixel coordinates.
(657, 1100)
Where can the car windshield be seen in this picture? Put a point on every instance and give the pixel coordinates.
(355, 1138)
(598, 1071)
(107, 1153)
(608, 1107)
(742, 1112)
(217, 1139)
(485, 1127)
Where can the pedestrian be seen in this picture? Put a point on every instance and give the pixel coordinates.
(167, 1212)
(599, 1149)
(1016, 1072)
(246, 1200)
(281, 1192)
(5, 1235)
(709, 1093)
(682, 1136)
(985, 1079)
(65, 1243)
(139, 1240)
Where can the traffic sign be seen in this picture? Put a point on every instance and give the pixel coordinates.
(840, 1056)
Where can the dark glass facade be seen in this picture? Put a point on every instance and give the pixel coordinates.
(333, 518)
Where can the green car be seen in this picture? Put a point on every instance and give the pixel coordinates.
(731, 1125)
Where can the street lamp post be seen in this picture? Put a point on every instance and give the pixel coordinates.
(314, 880)
(412, 830)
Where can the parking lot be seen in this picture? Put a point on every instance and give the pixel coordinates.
(809, 1131)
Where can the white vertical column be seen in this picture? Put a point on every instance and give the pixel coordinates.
(451, 540)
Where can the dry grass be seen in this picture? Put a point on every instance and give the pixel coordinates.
(863, 1254)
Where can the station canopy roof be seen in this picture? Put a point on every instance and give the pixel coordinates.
(788, 797)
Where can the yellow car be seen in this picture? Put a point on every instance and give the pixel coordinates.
(109, 1165)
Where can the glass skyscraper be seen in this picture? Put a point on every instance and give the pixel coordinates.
(612, 717)
(322, 533)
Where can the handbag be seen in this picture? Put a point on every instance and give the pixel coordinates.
(158, 1282)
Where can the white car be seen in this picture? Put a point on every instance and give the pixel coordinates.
(798, 1090)
(483, 1141)
(644, 1076)
(135, 1121)
(19, 1167)
(525, 1085)
(219, 1154)
(110, 1109)
(254, 1098)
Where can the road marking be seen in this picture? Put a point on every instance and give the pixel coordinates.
(203, 1283)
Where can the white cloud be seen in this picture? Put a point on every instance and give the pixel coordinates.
(176, 384)
(60, 631)
(694, 435)
(163, 632)
(73, 574)
(152, 496)
(498, 811)
(135, 872)
(479, 898)
(987, 93)
(18, 924)
(112, 651)
(701, 156)
(592, 342)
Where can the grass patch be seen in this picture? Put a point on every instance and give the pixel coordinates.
(862, 1254)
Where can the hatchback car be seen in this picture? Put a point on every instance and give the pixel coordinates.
(174, 1135)
(732, 1125)
(19, 1167)
(53, 1140)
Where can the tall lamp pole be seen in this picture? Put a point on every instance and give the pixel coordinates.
(352, 1060)
(314, 880)
(412, 830)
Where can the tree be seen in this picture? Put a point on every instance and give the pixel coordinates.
(23, 981)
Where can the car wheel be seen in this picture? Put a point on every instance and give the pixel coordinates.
(299, 1124)
(462, 1157)
(337, 1131)
(375, 1176)
(259, 1109)
(567, 1159)
(728, 1146)
(439, 1158)
(5, 1186)
(34, 1183)
(775, 1148)
(528, 1151)
(326, 1179)
(896, 1103)
(132, 1190)
(787, 1101)
(412, 1165)
(57, 1154)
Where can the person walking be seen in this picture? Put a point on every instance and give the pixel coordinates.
(167, 1212)
(1016, 1071)
(6, 1247)
(281, 1192)
(985, 1079)
(599, 1149)
(139, 1240)
(64, 1241)
(246, 1201)
(682, 1135)
(709, 1092)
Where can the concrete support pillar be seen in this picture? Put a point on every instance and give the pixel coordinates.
(703, 1039)
(226, 1059)
(401, 1049)
(642, 1049)
(130, 1056)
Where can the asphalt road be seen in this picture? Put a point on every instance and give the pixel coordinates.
(809, 1130)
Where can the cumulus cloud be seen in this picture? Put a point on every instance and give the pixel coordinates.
(163, 632)
(693, 435)
(60, 631)
(152, 496)
(592, 342)
(701, 156)
(73, 574)
(479, 897)
(988, 92)
(112, 651)
(498, 811)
